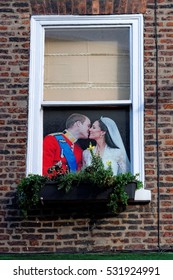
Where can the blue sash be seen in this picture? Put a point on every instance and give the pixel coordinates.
(68, 153)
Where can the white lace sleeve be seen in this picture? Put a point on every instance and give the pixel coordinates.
(123, 163)
(86, 159)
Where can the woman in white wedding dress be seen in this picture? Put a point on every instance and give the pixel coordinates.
(109, 146)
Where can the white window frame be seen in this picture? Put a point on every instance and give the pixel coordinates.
(36, 103)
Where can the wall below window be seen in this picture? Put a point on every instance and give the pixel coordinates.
(137, 227)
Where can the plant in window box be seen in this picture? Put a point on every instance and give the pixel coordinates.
(86, 184)
(28, 192)
(118, 188)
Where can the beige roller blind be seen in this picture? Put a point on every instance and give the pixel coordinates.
(83, 70)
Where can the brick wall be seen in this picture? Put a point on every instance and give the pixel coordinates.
(158, 88)
(137, 227)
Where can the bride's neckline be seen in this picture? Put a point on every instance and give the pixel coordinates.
(98, 151)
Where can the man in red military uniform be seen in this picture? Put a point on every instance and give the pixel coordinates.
(61, 148)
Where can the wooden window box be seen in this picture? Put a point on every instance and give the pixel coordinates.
(81, 201)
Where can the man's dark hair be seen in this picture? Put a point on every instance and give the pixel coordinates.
(74, 118)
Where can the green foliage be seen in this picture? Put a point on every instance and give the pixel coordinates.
(95, 174)
(28, 192)
(119, 197)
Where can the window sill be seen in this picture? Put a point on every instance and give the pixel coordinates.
(142, 196)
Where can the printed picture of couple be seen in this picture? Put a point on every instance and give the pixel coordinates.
(68, 147)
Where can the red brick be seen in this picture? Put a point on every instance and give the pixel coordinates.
(133, 229)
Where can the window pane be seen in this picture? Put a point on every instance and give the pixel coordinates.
(54, 120)
(87, 64)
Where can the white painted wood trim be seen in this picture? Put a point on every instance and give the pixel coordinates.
(35, 122)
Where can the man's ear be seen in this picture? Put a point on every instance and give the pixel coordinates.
(78, 123)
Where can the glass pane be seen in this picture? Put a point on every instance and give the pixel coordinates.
(87, 64)
(54, 120)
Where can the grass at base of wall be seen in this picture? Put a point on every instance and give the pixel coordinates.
(115, 256)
